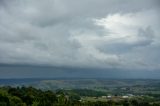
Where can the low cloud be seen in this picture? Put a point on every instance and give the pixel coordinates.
(74, 34)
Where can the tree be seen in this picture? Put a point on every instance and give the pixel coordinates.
(4, 101)
(16, 101)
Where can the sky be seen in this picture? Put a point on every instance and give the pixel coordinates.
(80, 38)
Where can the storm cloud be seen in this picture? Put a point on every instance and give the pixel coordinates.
(81, 33)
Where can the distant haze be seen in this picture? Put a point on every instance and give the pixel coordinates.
(80, 38)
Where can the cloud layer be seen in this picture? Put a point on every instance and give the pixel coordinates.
(86, 33)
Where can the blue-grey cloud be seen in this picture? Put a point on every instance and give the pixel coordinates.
(82, 34)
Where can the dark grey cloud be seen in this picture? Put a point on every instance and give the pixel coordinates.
(15, 71)
(82, 34)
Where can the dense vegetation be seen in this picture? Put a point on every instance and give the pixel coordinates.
(29, 96)
(86, 92)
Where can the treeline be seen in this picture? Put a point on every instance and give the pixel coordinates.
(86, 92)
(29, 96)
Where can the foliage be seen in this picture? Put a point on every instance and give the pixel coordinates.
(29, 96)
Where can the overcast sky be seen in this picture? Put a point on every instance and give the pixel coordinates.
(81, 34)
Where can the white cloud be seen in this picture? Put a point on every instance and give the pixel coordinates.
(127, 27)
(122, 35)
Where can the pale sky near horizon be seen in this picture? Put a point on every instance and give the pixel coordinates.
(96, 35)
